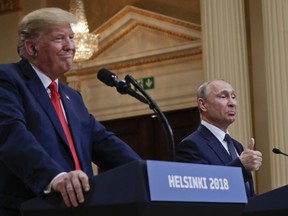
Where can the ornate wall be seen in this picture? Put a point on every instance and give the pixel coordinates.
(145, 45)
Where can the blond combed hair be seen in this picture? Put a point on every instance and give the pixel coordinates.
(40, 21)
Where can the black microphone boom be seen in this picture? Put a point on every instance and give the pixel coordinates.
(122, 86)
(160, 114)
(278, 151)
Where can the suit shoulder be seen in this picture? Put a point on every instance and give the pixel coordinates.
(8, 67)
(193, 137)
(10, 71)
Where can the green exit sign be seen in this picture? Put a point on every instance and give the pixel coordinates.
(147, 83)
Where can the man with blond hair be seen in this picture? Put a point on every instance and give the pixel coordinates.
(48, 139)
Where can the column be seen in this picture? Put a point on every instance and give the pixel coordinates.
(225, 56)
(275, 28)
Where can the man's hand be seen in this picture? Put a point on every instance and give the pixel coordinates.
(251, 159)
(72, 186)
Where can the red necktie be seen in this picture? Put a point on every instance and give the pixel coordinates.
(55, 97)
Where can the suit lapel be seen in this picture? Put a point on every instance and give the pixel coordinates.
(42, 97)
(39, 92)
(237, 147)
(215, 144)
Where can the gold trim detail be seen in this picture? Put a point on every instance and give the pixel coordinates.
(194, 53)
(110, 44)
(131, 9)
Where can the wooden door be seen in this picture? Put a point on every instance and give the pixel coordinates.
(145, 134)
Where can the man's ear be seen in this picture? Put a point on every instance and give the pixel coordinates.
(30, 48)
(202, 104)
(34, 50)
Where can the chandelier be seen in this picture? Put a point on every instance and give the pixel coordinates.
(86, 43)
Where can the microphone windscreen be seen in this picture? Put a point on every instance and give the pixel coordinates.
(106, 76)
(276, 151)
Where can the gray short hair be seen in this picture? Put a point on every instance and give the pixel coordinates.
(202, 91)
(39, 21)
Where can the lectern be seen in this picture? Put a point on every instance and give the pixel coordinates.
(153, 188)
(272, 203)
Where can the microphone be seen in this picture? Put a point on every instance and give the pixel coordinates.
(112, 80)
(278, 151)
(122, 86)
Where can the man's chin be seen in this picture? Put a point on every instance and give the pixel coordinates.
(68, 64)
(232, 120)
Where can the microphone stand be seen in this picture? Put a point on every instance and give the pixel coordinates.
(161, 116)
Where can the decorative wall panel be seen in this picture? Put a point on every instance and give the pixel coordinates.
(143, 44)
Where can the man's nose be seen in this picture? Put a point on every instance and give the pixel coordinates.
(232, 101)
(69, 44)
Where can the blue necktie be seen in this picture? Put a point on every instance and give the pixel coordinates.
(234, 155)
(230, 146)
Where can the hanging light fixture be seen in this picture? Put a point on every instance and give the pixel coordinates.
(86, 43)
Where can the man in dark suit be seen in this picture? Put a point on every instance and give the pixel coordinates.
(207, 145)
(35, 154)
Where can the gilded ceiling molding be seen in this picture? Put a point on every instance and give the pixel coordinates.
(129, 9)
(141, 62)
(149, 27)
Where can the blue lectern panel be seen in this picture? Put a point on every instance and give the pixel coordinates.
(186, 182)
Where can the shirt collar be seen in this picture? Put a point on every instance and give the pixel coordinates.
(215, 130)
(46, 81)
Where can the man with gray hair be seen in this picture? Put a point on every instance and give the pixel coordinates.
(211, 142)
(48, 139)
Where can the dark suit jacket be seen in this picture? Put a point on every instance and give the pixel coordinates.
(33, 146)
(203, 147)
